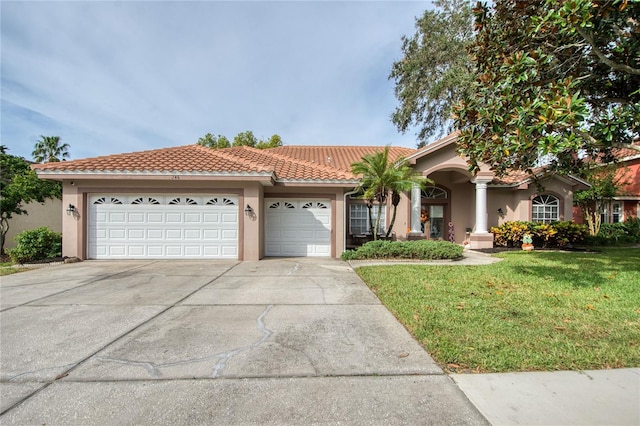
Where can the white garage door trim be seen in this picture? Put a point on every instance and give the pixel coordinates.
(300, 227)
(162, 226)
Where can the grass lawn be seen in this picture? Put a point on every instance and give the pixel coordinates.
(6, 268)
(539, 311)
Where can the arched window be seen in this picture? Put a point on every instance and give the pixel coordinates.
(545, 208)
(433, 192)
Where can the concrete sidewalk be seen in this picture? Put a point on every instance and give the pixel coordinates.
(601, 397)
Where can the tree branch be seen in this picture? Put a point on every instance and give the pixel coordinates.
(611, 64)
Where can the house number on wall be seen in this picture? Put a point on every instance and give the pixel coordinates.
(175, 177)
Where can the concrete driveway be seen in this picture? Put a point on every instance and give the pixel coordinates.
(280, 341)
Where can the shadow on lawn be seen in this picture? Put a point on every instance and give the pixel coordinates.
(593, 269)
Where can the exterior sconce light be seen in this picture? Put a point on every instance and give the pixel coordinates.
(500, 212)
(248, 210)
(71, 210)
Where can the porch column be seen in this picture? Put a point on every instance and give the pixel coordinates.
(481, 238)
(481, 206)
(416, 205)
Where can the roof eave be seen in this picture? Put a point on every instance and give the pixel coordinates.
(267, 177)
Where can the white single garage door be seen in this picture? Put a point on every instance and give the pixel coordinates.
(153, 226)
(297, 227)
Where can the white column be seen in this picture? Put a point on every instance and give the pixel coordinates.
(481, 206)
(416, 205)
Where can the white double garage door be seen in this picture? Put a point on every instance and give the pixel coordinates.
(195, 226)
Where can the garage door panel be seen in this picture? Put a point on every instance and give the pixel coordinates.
(154, 234)
(173, 234)
(115, 234)
(161, 226)
(192, 218)
(136, 217)
(211, 218)
(155, 218)
(229, 234)
(136, 250)
(135, 234)
(155, 251)
(229, 218)
(117, 217)
(117, 250)
(192, 234)
(173, 218)
(193, 251)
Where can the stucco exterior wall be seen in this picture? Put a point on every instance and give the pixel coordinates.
(48, 214)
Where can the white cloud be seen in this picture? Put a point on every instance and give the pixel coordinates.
(112, 77)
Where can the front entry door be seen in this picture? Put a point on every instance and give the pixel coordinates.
(436, 225)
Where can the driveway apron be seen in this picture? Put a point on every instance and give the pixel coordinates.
(280, 341)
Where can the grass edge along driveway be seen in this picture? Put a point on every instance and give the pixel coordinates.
(540, 311)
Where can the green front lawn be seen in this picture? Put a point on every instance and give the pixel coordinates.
(531, 311)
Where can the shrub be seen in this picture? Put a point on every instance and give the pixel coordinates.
(556, 234)
(611, 234)
(421, 249)
(570, 233)
(632, 226)
(36, 244)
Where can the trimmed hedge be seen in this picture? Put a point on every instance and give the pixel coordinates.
(420, 249)
(556, 234)
(36, 244)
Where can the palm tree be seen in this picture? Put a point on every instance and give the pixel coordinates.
(381, 178)
(49, 149)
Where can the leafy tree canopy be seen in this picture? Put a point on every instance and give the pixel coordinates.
(558, 80)
(49, 149)
(435, 71)
(20, 185)
(241, 139)
(211, 141)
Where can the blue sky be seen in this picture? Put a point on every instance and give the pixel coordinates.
(112, 77)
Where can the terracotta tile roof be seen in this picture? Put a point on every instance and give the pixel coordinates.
(622, 153)
(298, 165)
(189, 158)
(515, 177)
(339, 157)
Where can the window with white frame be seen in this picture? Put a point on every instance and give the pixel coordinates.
(545, 208)
(359, 219)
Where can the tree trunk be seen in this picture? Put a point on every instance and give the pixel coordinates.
(395, 200)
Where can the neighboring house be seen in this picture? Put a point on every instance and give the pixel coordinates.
(244, 203)
(47, 214)
(627, 204)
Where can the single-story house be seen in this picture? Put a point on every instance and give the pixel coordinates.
(244, 203)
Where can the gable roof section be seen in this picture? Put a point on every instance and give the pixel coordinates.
(202, 161)
(433, 146)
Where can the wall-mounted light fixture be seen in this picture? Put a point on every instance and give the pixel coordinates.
(248, 210)
(71, 210)
(500, 212)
